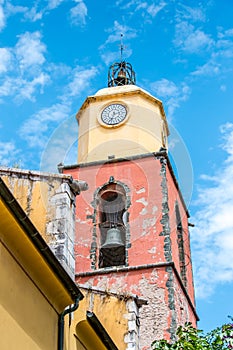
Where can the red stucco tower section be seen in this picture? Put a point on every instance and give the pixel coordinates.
(158, 262)
(132, 233)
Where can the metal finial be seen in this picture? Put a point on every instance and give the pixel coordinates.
(121, 47)
(121, 73)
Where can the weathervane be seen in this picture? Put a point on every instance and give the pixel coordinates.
(121, 73)
(121, 47)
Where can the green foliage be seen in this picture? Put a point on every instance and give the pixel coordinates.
(190, 338)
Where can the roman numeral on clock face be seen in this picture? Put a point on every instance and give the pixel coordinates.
(114, 114)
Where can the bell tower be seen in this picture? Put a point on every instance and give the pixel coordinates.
(121, 120)
(132, 231)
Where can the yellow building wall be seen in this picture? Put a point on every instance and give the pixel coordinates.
(27, 319)
(111, 312)
(34, 194)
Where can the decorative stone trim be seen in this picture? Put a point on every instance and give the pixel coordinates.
(61, 228)
(132, 302)
(132, 337)
(94, 203)
(167, 246)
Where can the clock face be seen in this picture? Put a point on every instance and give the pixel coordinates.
(114, 114)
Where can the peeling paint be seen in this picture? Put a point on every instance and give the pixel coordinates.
(152, 250)
(149, 220)
(143, 201)
(142, 190)
(144, 211)
(50, 205)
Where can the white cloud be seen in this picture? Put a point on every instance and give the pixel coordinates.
(12, 9)
(191, 40)
(153, 9)
(126, 4)
(210, 68)
(34, 75)
(30, 50)
(8, 153)
(60, 146)
(224, 44)
(191, 13)
(145, 7)
(215, 54)
(213, 236)
(78, 13)
(109, 57)
(165, 88)
(2, 18)
(35, 128)
(113, 53)
(222, 33)
(229, 32)
(52, 4)
(171, 93)
(23, 89)
(27, 88)
(5, 59)
(8, 87)
(37, 12)
(34, 14)
(81, 78)
(139, 5)
(118, 29)
(220, 60)
(22, 68)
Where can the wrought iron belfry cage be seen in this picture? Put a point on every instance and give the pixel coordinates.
(121, 73)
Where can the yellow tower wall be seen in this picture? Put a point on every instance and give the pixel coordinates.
(144, 130)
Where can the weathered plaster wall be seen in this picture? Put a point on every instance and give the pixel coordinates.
(167, 305)
(150, 284)
(153, 256)
(50, 204)
(34, 192)
(152, 318)
(142, 177)
(117, 313)
(183, 309)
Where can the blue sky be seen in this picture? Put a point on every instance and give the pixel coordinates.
(54, 53)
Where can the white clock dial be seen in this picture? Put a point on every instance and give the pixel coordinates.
(114, 114)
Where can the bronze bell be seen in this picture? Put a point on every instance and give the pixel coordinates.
(121, 74)
(121, 78)
(113, 238)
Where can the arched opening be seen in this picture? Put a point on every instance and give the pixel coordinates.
(111, 207)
